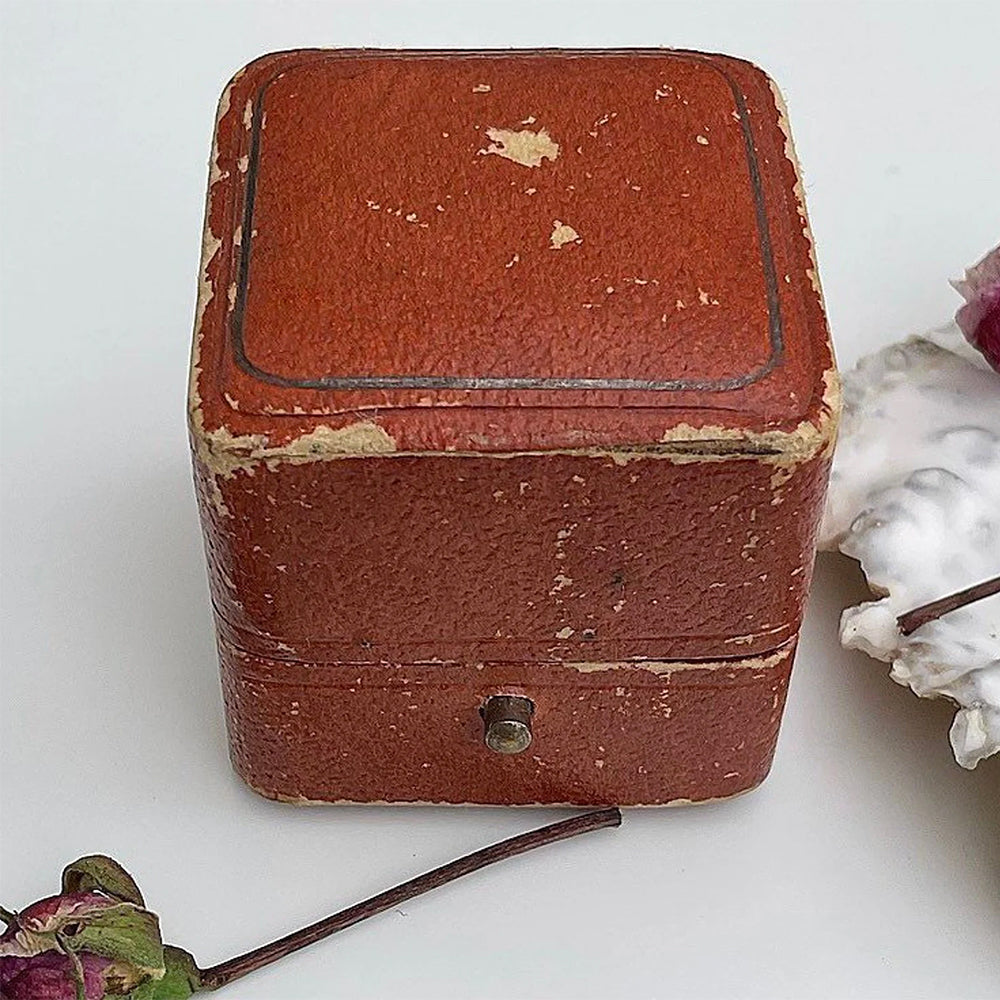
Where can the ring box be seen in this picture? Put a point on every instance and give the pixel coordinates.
(511, 406)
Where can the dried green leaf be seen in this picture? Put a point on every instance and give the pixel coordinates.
(181, 980)
(96, 871)
(127, 935)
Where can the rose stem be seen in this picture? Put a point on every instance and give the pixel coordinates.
(912, 620)
(225, 973)
(8, 916)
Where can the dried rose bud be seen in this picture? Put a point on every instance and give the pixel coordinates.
(93, 940)
(979, 318)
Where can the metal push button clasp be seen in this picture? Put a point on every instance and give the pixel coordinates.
(507, 723)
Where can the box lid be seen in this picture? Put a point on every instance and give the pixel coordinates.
(504, 251)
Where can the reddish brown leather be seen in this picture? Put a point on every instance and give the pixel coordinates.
(413, 733)
(479, 559)
(610, 452)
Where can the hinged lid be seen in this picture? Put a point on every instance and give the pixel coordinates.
(445, 244)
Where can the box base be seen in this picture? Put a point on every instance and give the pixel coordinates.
(603, 734)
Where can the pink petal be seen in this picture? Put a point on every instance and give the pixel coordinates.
(49, 976)
(979, 318)
(50, 913)
(983, 274)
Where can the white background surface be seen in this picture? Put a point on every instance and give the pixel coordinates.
(868, 865)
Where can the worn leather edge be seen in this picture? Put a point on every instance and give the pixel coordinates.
(293, 800)
(222, 453)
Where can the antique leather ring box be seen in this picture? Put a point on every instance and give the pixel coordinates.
(511, 405)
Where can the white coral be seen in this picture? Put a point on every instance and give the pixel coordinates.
(915, 498)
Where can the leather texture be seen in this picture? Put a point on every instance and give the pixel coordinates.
(413, 733)
(510, 375)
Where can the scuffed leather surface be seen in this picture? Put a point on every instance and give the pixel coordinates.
(412, 733)
(547, 558)
(328, 300)
(351, 586)
(366, 606)
(364, 183)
